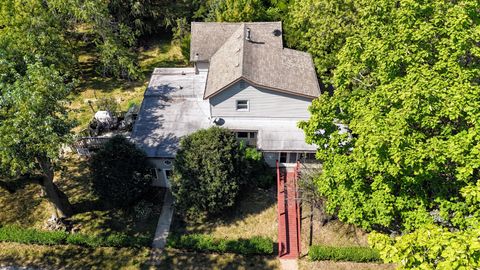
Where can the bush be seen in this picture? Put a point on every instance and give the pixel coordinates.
(121, 174)
(208, 171)
(259, 174)
(201, 242)
(352, 254)
(33, 236)
(108, 104)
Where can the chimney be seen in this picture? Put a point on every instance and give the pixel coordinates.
(248, 37)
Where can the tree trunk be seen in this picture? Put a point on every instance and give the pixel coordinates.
(58, 199)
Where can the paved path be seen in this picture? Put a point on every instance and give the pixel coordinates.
(289, 264)
(163, 226)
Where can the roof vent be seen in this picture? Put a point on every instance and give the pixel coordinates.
(277, 32)
(248, 37)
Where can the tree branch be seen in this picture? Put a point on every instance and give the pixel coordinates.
(20, 182)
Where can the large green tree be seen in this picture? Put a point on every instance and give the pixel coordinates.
(407, 88)
(38, 59)
(321, 28)
(33, 127)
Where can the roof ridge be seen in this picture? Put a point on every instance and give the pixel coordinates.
(243, 52)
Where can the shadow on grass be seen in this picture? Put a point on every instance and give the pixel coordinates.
(71, 257)
(175, 259)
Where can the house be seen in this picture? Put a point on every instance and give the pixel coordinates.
(243, 79)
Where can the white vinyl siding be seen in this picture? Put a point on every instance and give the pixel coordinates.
(261, 103)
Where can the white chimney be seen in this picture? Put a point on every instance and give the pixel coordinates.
(248, 36)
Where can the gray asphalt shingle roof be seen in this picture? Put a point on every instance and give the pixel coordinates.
(262, 60)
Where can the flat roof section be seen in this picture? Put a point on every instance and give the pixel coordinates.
(173, 106)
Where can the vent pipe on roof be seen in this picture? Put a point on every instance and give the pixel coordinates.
(248, 36)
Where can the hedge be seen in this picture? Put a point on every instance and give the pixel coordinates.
(34, 236)
(201, 242)
(352, 254)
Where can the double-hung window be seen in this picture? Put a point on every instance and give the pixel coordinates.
(243, 105)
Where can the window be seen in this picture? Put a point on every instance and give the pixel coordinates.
(292, 157)
(242, 105)
(283, 157)
(243, 135)
(310, 156)
(252, 135)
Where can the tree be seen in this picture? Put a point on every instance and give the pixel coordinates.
(236, 11)
(120, 171)
(33, 127)
(38, 46)
(406, 86)
(208, 171)
(321, 28)
(49, 30)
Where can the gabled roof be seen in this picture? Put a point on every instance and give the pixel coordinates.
(261, 60)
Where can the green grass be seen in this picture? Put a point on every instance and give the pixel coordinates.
(206, 243)
(351, 254)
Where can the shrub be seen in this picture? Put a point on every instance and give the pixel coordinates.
(201, 242)
(208, 172)
(33, 236)
(121, 174)
(259, 174)
(353, 254)
(107, 104)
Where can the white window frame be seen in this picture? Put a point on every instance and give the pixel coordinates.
(243, 109)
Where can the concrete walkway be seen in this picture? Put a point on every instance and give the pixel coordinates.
(163, 226)
(288, 264)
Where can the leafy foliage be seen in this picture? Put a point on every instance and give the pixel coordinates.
(406, 77)
(120, 172)
(321, 28)
(208, 171)
(237, 10)
(202, 242)
(410, 99)
(259, 174)
(351, 254)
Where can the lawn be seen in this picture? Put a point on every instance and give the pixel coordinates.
(254, 215)
(156, 52)
(183, 260)
(333, 233)
(72, 257)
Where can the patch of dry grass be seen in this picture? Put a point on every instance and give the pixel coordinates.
(255, 215)
(183, 260)
(27, 208)
(328, 265)
(72, 257)
(333, 233)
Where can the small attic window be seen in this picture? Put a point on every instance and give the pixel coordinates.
(242, 105)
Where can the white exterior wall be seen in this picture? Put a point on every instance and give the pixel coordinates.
(161, 165)
(202, 66)
(262, 103)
